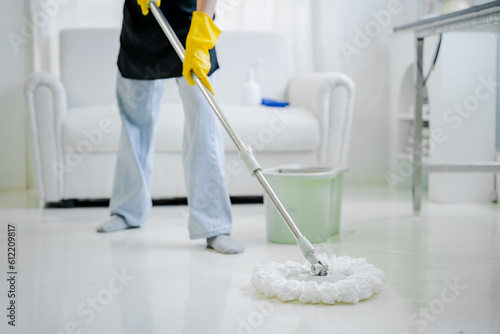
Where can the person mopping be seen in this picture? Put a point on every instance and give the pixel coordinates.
(145, 60)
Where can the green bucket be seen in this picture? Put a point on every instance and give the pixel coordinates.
(312, 197)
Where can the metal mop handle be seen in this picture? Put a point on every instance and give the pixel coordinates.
(245, 152)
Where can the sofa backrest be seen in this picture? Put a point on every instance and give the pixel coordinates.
(237, 50)
(88, 65)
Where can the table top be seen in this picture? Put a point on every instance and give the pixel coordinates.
(475, 16)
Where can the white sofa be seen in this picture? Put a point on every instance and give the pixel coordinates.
(75, 123)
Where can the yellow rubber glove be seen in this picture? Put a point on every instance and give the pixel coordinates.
(202, 36)
(145, 6)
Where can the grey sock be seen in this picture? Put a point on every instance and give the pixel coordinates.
(225, 244)
(117, 223)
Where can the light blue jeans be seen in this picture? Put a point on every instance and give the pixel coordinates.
(203, 157)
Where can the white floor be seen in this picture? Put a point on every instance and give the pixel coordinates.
(443, 272)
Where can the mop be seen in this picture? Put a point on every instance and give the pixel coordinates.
(321, 279)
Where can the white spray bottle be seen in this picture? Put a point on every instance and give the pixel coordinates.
(250, 95)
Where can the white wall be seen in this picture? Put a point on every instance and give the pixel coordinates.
(465, 115)
(14, 68)
(368, 65)
(366, 59)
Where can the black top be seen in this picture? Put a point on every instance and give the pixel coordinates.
(145, 52)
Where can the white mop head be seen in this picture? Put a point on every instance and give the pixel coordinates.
(349, 281)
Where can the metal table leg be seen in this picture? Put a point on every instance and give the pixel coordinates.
(417, 142)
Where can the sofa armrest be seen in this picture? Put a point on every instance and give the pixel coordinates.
(330, 96)
(47, 107)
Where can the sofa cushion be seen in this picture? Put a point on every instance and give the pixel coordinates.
(97, 129)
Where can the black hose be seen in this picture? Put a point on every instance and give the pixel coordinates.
(435, 59)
